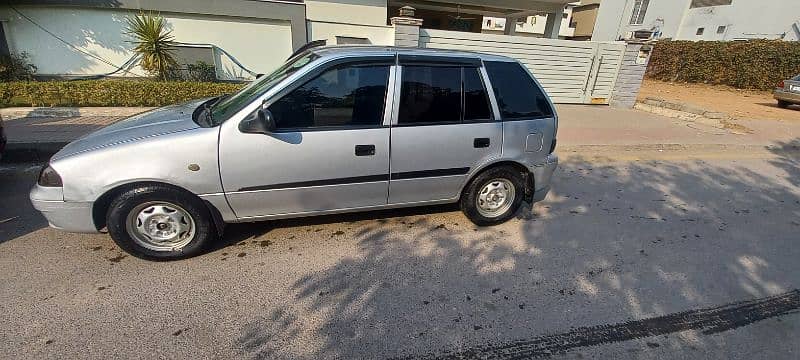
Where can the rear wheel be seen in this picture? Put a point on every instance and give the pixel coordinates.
(494, 196)
(783, 104)
(158, 222)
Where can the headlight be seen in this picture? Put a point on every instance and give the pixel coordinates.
(49, 178)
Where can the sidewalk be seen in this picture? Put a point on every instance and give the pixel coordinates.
(582, 128)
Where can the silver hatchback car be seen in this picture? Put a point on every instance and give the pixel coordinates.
(335, 129)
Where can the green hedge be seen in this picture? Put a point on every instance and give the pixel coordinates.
(754, 64)
(109, 92)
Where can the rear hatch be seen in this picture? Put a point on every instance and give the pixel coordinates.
(792, 85)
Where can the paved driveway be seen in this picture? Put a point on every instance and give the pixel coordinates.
(635, 259)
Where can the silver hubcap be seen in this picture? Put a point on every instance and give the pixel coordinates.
(495, 198)
(160, 226)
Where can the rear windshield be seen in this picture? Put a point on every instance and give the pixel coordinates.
(517, 94)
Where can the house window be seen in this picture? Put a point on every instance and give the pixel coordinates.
(721, 29)
(700, 31)
(564, 15)
(533, 20)
(707, 3)
(639, 9)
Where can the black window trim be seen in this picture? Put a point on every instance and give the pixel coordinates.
(437, 60)
(365, 61)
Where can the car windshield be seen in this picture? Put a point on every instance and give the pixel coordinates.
(796, 78)
(228, 105)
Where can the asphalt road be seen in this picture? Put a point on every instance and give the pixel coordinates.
(694, 258)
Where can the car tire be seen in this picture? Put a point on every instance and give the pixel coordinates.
(783, 104)
(159, 222)
(493, 196)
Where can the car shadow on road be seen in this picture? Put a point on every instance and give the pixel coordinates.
(17, 215)
(235, 234)
(614, 243)
(775, 105)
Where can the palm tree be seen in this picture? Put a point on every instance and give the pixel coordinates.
(153, 42)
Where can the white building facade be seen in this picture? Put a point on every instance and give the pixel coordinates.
(533, 25)
(240, 38)
(695, 20)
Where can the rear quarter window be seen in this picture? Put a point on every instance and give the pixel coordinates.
(518, 96)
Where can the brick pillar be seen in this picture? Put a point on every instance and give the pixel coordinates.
(406, 28)
(630, 75)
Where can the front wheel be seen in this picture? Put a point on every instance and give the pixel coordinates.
(157, 222)
(494, 196)
(783, 104)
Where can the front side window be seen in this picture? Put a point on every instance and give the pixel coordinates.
(229, 105)
(518, 96)
(348, 95)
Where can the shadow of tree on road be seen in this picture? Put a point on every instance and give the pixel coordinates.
(613, 242)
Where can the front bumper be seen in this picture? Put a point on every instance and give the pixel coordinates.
(542, 175)
(71, 216)
(787, 96)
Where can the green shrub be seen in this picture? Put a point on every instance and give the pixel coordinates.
(16, 67)
(754, 64)
(110, 92)
(199, 71)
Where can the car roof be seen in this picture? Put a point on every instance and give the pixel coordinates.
(366, 50)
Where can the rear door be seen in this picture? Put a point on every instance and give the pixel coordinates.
(442, 128)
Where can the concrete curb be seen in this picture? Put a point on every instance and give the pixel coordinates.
(21, 112)
(691, 113)
(685, 108)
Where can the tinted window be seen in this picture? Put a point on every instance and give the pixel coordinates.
(348, 95)
(430, 95)
(476, 102)
(517, 94)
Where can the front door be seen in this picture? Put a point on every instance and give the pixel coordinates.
(444, 128)
(330, 150)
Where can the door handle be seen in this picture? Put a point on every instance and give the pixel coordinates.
(481, 142)
(365, 150)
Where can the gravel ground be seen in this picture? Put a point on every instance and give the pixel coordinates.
(677, 258)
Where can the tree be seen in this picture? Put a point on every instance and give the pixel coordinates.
(154, 42)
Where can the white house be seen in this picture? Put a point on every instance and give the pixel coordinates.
(239, 37)
(533, 25)
(698, 19)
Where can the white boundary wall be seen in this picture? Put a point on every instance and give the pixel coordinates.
(573, 72)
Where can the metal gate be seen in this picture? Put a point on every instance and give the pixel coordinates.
(572, 72)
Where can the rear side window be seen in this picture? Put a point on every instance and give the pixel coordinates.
(476, 101)
(517, 94)
(430, 95)
(442, 95)
(350, 95)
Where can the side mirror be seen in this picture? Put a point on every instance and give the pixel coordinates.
(260, 122)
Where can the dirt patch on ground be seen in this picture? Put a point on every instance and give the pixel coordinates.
(740, 104)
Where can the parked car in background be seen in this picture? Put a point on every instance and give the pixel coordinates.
(3, 138)
(788, 92)
(335, 129)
